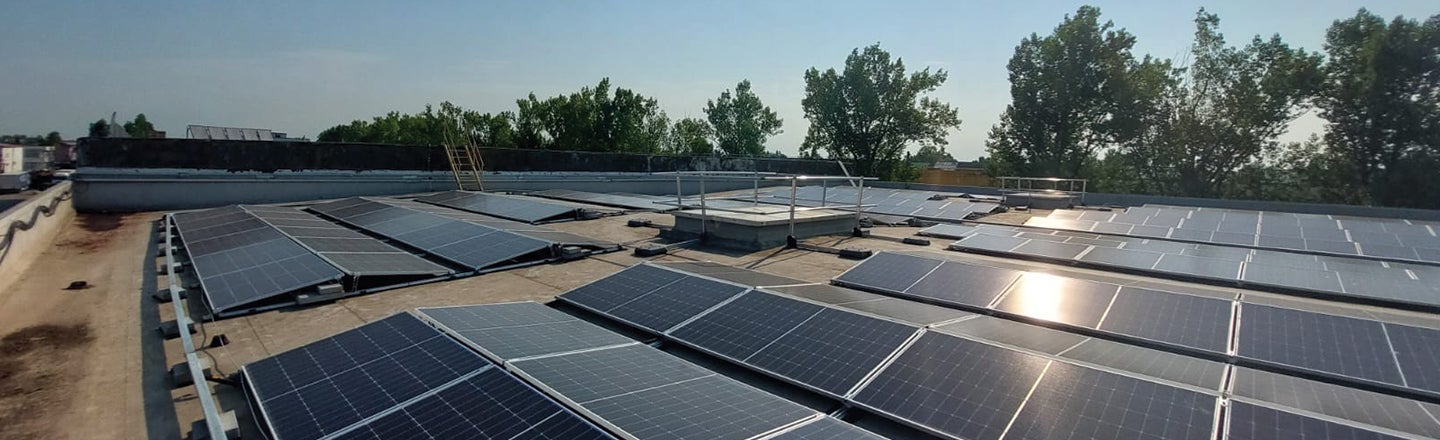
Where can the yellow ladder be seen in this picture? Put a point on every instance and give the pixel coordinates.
(466, 166)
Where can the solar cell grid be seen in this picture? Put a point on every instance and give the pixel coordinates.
(834, 350)
(1417, 350)
(712, 407)
(955, 386)
(1375, 409)
(1253, 422)
(1016, 334)
(390, 263)
(742, 327)
(889, 271)
(622, 287)
(674, 303)
(964, 284)
(1059, 299)
(827, 428)
(1073, 402)
(908, 311)
(490, 405)
(1326, 343)
(1151, 363)
(1191, 321)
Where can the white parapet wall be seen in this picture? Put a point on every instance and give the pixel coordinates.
(31, 228)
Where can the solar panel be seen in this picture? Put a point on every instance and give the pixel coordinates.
(888, 271)
(948, 231)
(742, 327)
(1253, 422)
(1319, 280)
(516, 330)
(954, 386)
(489, 405)
(619, 200)
(471, 245)
(832, 351)
(827, 428)
(649, 394)
(1152, 363)
(1136, 259)
(734, 274)
(622, 287)
(908, 311)
(964, 284)
(1199, 267)
(1017, 334)
(1051, 298)
(1364, 407)
(1190, 321)
(1050, 249)
(1418, 352)
(249, 274)
(515, 208)
(1333, 344)
(371, 368)
(989, 242)
(1073, 402)
(674, 303)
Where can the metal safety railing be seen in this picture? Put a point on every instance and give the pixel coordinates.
(757, 177)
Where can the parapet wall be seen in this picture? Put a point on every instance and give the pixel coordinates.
(30, 228)
(309, 156)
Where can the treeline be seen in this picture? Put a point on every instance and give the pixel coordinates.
(1085, 106)
(865, 113)
(600, 118)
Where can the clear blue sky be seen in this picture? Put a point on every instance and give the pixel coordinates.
(304, 67)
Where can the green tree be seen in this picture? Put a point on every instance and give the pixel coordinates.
(593, 119)
(53, 139)
(1382, 103)
(140, 127)
(929, 154)
(1227, 109)
(741, 122)
(447, 124)
(100, 129)
(871, 110)
(690, 137)
(1074, 93)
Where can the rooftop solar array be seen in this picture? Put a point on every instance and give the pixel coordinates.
(1362, 351)
(539, 232)
(634, 389)
(355, 253)
(524, 209)
(1343, 278)
(976, 377)
(464, 243)
(240, 259)
(1395, 239)
(398, 378)
(885, 201)
(633, 202)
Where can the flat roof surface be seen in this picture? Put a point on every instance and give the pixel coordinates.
(93, 365)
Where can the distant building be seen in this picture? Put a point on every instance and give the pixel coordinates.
(64, 154)
(238, 134)
(15, 159)
(956, 174)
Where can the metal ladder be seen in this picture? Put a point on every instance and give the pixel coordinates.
(466, 166)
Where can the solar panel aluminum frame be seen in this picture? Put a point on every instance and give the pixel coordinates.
(639, 327)
(489, 355)
(756, 368)
(858, 286)
(612, 428)
(347, 271)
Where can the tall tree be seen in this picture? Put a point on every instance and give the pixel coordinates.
(1230, 105)
(100, 129)
(741, 122)
(871, 110)
(691, 137)
(1382, 103)
(447, 124)
(1073, 94)
(53, 139)
(140, 127)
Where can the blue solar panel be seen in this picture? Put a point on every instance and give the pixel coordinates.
(1325, 343)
